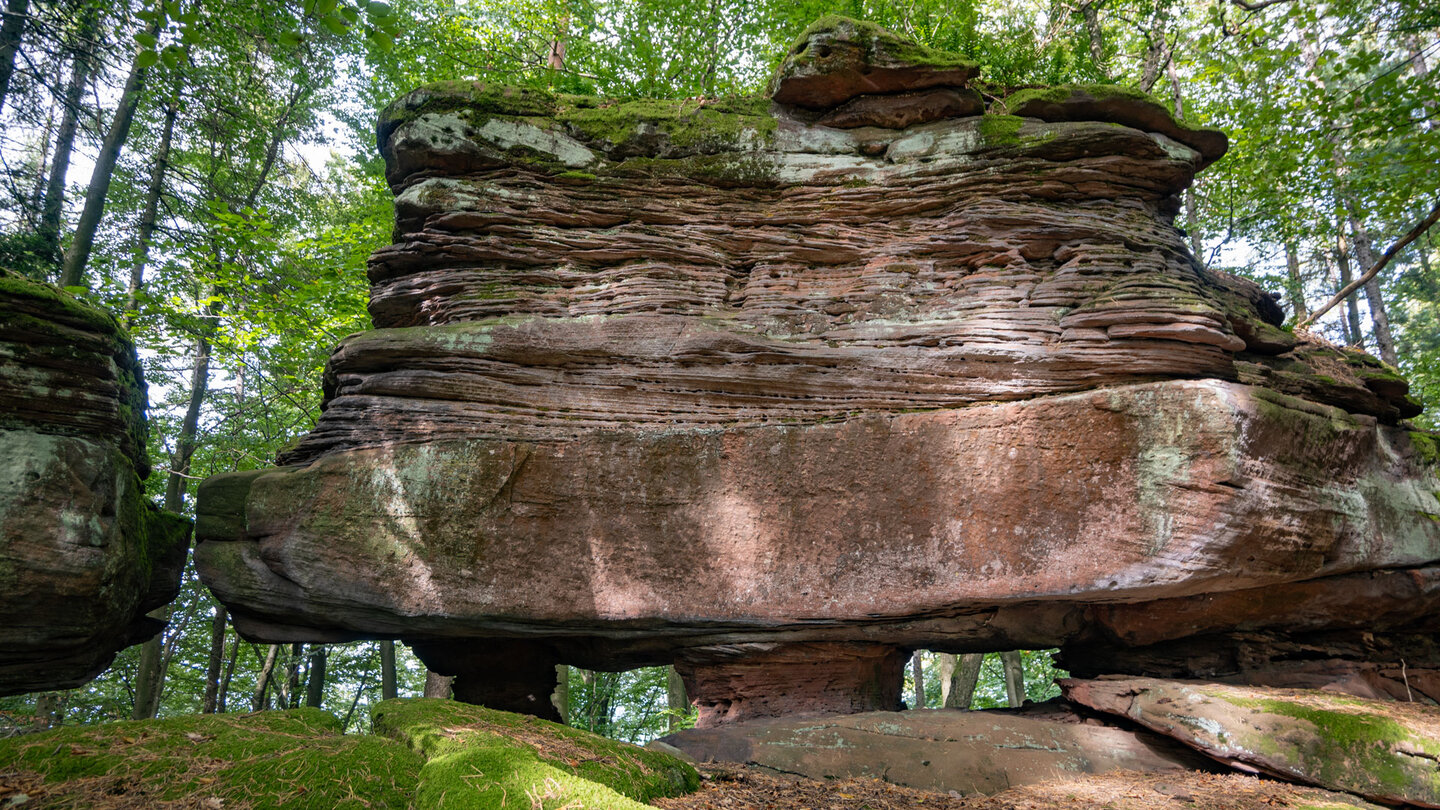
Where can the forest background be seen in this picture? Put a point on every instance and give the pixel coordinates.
(206, 169)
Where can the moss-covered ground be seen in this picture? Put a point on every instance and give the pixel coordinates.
(425, 754)
(291, 759)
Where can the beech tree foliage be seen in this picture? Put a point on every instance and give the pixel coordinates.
(206, 169)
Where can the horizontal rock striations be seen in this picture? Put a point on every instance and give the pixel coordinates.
(859, 364)
(83, 553)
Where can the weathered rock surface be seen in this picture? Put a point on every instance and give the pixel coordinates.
(83, 553)
(942, 750)
(654, 377)
(1384, 751)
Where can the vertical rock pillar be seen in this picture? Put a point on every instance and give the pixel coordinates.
(506, 674)
(732, 683)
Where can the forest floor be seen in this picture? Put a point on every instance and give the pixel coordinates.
(742, 788)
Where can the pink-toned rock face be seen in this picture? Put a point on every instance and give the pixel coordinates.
(649, 377)
(84, 555)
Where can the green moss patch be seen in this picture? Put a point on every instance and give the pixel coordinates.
(482, 758)
(686, 127)
(1375, 748)
(291, 759)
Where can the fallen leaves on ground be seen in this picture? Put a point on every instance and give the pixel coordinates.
(742, 788)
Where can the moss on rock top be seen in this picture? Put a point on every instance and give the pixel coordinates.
(477, 757)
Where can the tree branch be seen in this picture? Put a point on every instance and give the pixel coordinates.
(1256, 6)
(1349, 289)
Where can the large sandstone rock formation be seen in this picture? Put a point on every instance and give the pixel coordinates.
(777, 388)
(83, 553)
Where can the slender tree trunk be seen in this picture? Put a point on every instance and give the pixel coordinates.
(216, 661)
(1379, 318)
(359, 690)
(1297, 284)
(1014, 667)
(1418, 68)
(1192, 220)
(675, 698)
(1156, 52)
(259, 700)
(560, 698)
(1091, 12)
(315, 684)
(229, 672)
(1332, 277)
(917, 673)
(78, 255)
(80, 62)
(12, 30)
(437, 685)
(153, 191)
(292, 676)
(36, 200)
(45, 710)
(388, 690)
(1352, 307)
(150, 679)
(958, 677)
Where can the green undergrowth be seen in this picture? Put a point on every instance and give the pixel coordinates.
(292, 759)
(482, 758)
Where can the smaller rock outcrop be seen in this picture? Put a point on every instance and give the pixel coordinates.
(1385, 751)
(83, 553)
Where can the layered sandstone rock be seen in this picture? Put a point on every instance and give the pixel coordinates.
(83, 553)
(1384, 751)
(855, 365)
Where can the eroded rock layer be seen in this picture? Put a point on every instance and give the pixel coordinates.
(861, 363)
(83, 553)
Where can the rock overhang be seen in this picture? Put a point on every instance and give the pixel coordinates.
(866, 362)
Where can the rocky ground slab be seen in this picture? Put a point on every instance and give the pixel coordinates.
(942, 750)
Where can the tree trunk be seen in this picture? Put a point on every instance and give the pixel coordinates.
(259, 700)
(1379, 319)
(1355, 336)
(315, 684)
(917, 672)
(1014, 668)
(150, 679)
(388, 689)
(229, 672)
(1091, 13)
(292, 676)
(437, 685)
(147, 675)
(11, 32)
(153, 191)
(1156, 52)
(1332, 277)
(216, 661)
(1192, 220)
(675, 698)
(78, 254)
(958, 678)
(560, 698)
(80, 61)
(1297, 284)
